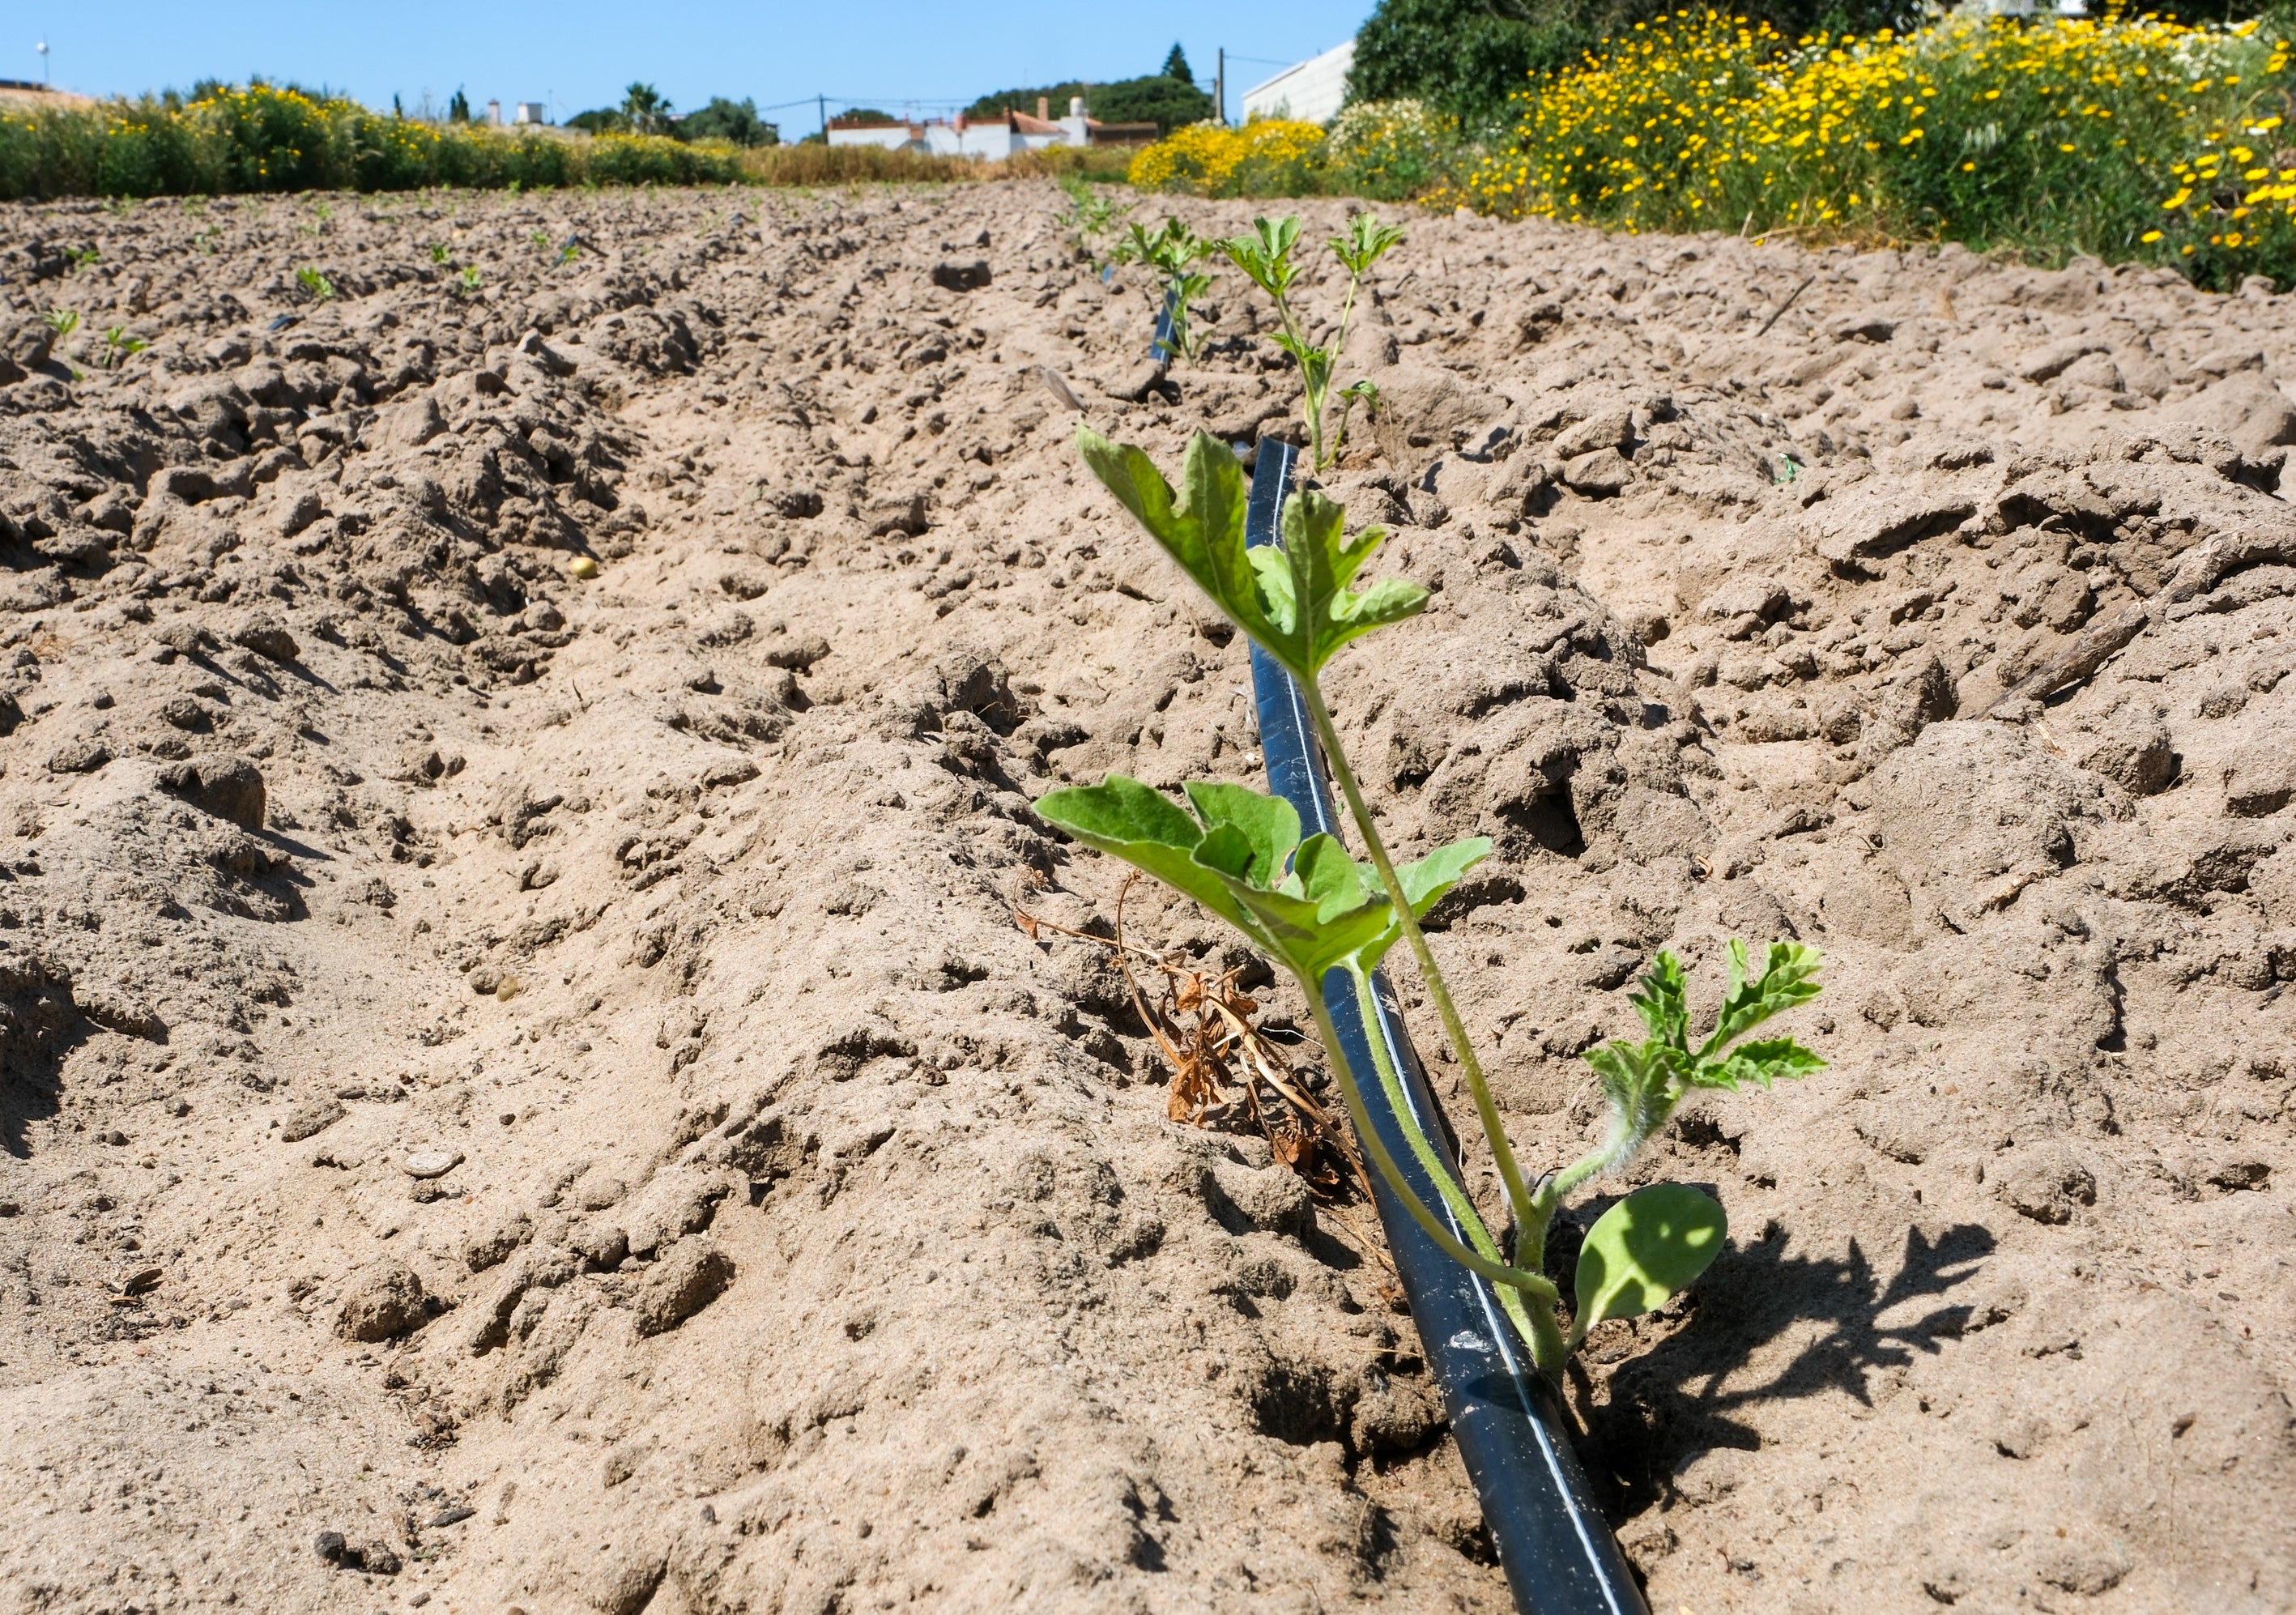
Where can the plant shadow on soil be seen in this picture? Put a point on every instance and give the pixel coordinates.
(40, 1028)
(1670, 1402)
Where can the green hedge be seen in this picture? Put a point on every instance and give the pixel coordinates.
(266, 138)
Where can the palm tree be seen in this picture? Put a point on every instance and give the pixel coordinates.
(647, 111)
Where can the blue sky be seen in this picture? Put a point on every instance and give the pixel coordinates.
(579, 53)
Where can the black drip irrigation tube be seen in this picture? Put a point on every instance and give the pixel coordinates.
(1165, 345)
(1559, 1555)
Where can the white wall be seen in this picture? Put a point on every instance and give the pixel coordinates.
(892, 137)
(1312, 91)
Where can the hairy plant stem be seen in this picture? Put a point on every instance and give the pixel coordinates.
(1516, 1286)
(1486, 1111)
(1535, 1323)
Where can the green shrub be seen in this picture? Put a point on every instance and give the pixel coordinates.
(2125, 137)
(1393, 151)
(265, 137)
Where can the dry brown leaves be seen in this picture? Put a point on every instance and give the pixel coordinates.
(1226, 1071)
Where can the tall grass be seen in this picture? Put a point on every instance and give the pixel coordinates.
(821, 164)
(2129, 138)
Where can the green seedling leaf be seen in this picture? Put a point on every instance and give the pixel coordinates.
(1366, 242)
(1749, 1000)
(1268, 826)
(1295, 601)
(1201, 527)
(1644, 1082)
(1307, 904)
(1662, 1004)
(1425, 882)
(1323, 562)
(1265, 256)
(1127, 820)
(1643, 1249)
(1765, 1062)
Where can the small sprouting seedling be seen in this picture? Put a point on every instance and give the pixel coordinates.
(80, 258)
(469, 283)
(1172, 252)
(315, 286)
(118, 347)
(205, 240)
(1312, 908)
(1092, 215)
(1361, 390)
(441, 253)
(61, 321)
(568, 253)
(541, 238)
(1266, 255)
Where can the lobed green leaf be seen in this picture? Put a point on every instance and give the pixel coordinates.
(1773, 1060)
(1663, 1003)
(1749, 1000)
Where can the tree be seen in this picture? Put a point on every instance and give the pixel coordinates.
(1176, 65)
(600, 120)
(646, 109)
(1166, 102)
(458, 107)
(734, 121)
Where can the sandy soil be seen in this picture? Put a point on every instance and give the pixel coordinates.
(525, 1092)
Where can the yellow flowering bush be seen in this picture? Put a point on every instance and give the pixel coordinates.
(1266, 157)
(2113, 135)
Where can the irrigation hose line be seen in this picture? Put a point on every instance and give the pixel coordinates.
(1559, 1555)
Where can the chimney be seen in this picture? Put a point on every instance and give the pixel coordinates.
(1045, 108)
(494, 113)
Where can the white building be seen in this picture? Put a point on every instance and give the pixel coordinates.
(1312, 91)
(530, 112)
(995, 139)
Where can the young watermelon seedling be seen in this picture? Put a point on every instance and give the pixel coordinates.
(1312, 908)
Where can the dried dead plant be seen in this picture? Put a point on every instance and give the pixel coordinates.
(1225, 1071)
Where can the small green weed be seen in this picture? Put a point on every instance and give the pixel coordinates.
(61, 323)
(315, 285)
(469, 283)
(118, 348)
(77, 258)
(441, 253)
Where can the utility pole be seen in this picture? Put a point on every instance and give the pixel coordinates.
(1219, 90)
